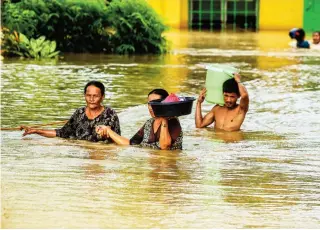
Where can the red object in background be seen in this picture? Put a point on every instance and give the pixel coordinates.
(171, 98)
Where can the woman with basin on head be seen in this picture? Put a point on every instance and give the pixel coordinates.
(156, 133)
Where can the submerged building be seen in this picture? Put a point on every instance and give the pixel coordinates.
(239, 14)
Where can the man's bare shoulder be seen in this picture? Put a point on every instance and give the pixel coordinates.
(217, 108)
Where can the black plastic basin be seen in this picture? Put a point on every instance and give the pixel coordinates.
(173, 109)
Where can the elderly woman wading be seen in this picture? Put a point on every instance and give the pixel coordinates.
(83, 122)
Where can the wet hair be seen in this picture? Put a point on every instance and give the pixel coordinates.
(316, 32)
(161, 92)
(299, 35)
(97, 84)
(292, 33)
(231, 86)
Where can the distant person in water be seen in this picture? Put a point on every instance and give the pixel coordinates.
(299, 36)
(156, 133)
(316, 38)
(230, 116)
(82, 124)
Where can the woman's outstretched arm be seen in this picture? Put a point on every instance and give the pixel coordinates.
(42, 132)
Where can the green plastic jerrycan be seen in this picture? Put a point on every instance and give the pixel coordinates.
(217, 74)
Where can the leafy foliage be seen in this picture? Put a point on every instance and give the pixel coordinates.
(76, 26)
(121, 26)
(18, 19)
(17, 44)
(137, 27)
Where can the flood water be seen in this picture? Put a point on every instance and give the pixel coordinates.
(265, 176)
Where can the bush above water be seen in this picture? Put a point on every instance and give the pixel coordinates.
(76, 26)
(16, 18)
(17, 44)
(137, 27)
(122, 26)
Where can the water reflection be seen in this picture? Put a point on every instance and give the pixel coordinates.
(94, 169)
(99, 156)
(165, 166)
(228, 137)
(238, 136)
(257, 186)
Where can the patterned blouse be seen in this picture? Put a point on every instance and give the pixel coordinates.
(82, 128)
(147, 138)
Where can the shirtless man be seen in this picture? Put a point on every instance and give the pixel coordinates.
(230, 116)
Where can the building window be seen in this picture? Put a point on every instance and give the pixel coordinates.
(223, 14)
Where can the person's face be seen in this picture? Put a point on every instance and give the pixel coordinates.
(316, 38)
(93, 97)
(230, 100)
(152, 97)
